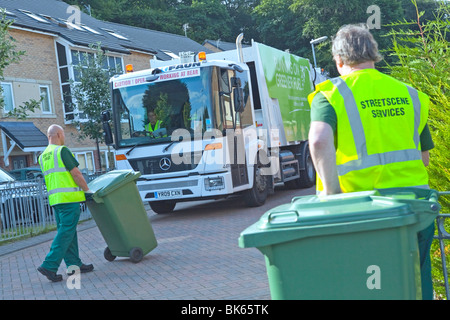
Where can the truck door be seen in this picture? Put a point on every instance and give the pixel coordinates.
(233, 130)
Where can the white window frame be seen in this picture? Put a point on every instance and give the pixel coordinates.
(85, 164)
(105, 160)
(68, 49)
(49, 100)
(12, 96)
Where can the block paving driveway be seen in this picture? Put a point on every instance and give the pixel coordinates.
(197, 258)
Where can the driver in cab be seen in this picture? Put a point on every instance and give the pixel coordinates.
(153, 124)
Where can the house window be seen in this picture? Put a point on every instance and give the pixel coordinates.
(63, 66)
(86, 161)
(46, 105)
(115, 34)
(33, 16)
(7, 96)
(67, 62)
(90, 29)
(108, 160)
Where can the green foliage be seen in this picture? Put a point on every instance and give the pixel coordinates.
(423, 61)
(422, 57)
(91, 93)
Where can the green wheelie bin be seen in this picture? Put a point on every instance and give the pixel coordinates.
(360, 245)
(119, 213)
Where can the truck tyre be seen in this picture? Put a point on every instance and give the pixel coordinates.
(308, 174)
(160, 207)
(257, 195)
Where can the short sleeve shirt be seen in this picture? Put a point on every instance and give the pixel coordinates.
(68, 159)
(322, 110)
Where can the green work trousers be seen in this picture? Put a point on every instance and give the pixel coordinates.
(65, 243)
(425, 238)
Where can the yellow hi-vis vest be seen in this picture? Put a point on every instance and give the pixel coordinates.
(61, 187)
(379, 121)
(148, 126)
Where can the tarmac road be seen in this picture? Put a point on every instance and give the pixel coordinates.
(197, 258)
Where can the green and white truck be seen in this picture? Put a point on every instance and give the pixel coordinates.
(231, 123)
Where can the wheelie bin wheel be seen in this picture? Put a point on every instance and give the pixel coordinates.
(108, 255)
(136, 254)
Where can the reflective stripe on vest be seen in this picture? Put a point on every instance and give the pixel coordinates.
(148, 127)
(367, 157)
(364, 159)
(61, 187)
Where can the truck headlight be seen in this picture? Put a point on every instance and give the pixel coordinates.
(214, 183)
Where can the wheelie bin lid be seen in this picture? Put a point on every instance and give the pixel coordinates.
(314, 215)
(111, 181)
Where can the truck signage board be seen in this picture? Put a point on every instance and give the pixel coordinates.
(172, 75)
(288, 80)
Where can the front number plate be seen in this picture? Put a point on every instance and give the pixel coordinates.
(167, 194)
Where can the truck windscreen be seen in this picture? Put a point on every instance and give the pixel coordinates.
(149, 112)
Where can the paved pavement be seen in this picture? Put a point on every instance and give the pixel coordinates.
(197, 258)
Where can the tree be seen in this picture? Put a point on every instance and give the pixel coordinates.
(8, 56)
(207, 19)
(422, 57)
(279, 26)
(91, 94)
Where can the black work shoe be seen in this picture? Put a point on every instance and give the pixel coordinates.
(52, 276)
(83, 269)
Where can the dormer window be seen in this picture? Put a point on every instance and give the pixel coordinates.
(115, 34)
(33, 16)
(90, 29)
(8, 13)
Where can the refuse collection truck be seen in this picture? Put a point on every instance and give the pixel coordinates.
(227, 123)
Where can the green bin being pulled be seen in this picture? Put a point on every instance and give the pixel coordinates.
(119, 213)
(360, 245)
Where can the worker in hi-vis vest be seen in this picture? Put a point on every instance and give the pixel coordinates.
(66, 188)
(369, 130)
(153, 124)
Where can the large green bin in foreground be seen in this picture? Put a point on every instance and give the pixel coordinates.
(119, 213)
(360, 245)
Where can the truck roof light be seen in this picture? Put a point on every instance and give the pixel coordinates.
(129, 68)
(202, 56)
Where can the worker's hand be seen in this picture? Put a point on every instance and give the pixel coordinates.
(88, 194)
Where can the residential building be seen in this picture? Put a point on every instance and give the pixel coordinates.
(53, 34)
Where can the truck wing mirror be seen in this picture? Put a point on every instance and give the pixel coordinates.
(107, 134)
(238, 98)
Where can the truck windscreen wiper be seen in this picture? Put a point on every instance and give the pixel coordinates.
(132, 148)
(170, 144)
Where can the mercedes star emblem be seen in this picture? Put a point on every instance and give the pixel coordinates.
(165, 164)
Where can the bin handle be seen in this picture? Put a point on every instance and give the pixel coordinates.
(284, 214)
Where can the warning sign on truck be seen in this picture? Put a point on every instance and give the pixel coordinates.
(188, 73)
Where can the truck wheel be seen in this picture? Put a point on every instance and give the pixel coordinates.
(308, 174)
(162, 206)
(257, 195)
(136, 255)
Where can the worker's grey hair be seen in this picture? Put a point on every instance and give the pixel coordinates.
(354, 44)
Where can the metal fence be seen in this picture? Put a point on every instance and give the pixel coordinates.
(25, 210)
(442, 235)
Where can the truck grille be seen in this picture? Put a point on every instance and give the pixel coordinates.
(163, 164)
